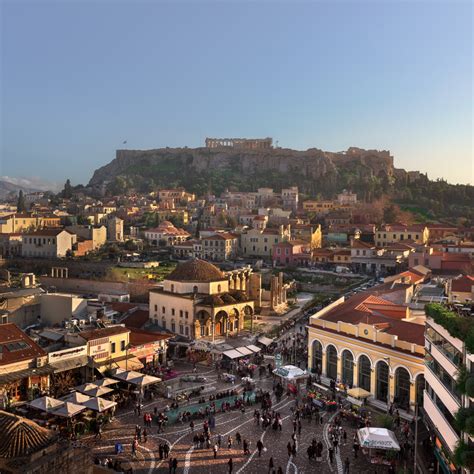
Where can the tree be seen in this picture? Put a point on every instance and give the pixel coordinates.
(21, 205)
(390, 214)
(67, 191)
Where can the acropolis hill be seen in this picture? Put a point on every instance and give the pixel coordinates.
(219, 167)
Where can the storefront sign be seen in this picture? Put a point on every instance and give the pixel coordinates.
(66, 354)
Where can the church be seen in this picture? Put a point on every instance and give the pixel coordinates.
(199, 301)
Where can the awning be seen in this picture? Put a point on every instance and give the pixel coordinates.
(358, 393)
(45, 403)
(266, 341)
(132, 363)
(233, 354)
(68, 410)
(23, 374)
(254, 348)
(99, 404)
(70, 364)
(244, 350)
(378, 438)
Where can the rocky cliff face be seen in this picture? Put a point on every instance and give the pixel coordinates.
(274, 167)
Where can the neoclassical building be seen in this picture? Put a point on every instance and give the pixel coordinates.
(372, 342)
(197, 300)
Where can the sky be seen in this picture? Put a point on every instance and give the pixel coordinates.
(78, 78)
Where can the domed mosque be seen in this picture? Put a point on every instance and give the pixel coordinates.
(197, 300)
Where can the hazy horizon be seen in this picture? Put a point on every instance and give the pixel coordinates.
(78, 79)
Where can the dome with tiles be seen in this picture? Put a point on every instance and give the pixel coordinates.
(196, 270)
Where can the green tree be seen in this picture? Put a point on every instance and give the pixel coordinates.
(21, 205)
(390, 214)
(67, 191)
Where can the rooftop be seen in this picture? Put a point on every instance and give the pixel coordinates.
(104, 332)
(21, 436)
(196, 270)
(16, 346)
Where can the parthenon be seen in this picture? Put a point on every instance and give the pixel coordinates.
(247, 143)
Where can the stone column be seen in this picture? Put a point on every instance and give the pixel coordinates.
(356, 374)
(339, 367)
(243, 286)
(323, 364)
(391, 384)
(373, 382)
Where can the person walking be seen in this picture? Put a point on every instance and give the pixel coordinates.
(175, 465)
(270, 465)
(331, 455)
(238, 438)
(215, 450)
(229, 442)
(230, 463)
(170, 465)
(246, 447)
(134, 447)
(259, 447)
(346, 466)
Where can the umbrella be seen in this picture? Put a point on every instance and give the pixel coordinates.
(68, 409)
(76, 397)
(358, 392)
(46, 403)
(378, 438)
(144, 380)
(93, 390)
(98, 404)
(126, 375)
(105, 382)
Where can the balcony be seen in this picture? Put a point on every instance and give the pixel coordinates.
(450, 399)
(437, 419)
(442, 358)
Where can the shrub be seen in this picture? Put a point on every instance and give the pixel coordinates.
(384, 421)
(464, 455)
(458, 326)
(469, 386)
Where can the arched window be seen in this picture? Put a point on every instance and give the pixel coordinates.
(317, 363)
(402, 388)
(195, 289)
(331, 362)
(382, 381)
(347, 368)
(364, 373)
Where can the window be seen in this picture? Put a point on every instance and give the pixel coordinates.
(163, 323)
(112, 347)
(278, 251)
(443, 345)
(186, 314)
(173, 327)
(172, 311)
(180, 313)
(156, 308)
(219, 288)
(122, 345)
(181, 329)
(163, 309)
(186, 330)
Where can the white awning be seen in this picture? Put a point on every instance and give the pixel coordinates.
(233, 354)
(244, 350)
(378, 438)
(266, 341)
(254, 348)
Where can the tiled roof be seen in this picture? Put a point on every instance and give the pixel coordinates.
(104, 332)
(375, 310)
(463, 284)
(196, 270)
(139, 337)
(46, 232)
(121, 307)
(137, 319)
(21, 436)
(16, 346)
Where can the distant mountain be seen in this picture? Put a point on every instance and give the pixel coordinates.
(9, 185)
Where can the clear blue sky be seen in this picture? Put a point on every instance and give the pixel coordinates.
(79, 77)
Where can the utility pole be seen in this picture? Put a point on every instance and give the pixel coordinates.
(416, 436)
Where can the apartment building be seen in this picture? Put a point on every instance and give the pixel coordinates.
(47, 243)
(449, 391)
(392, 233)
(259, 243)
(220, 246)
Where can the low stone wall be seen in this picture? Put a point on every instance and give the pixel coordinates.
(138, 291)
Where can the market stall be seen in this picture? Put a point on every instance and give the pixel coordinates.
(292, 378)
(93, 390)
(357, 395)
(379, 443)
(46, 404)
